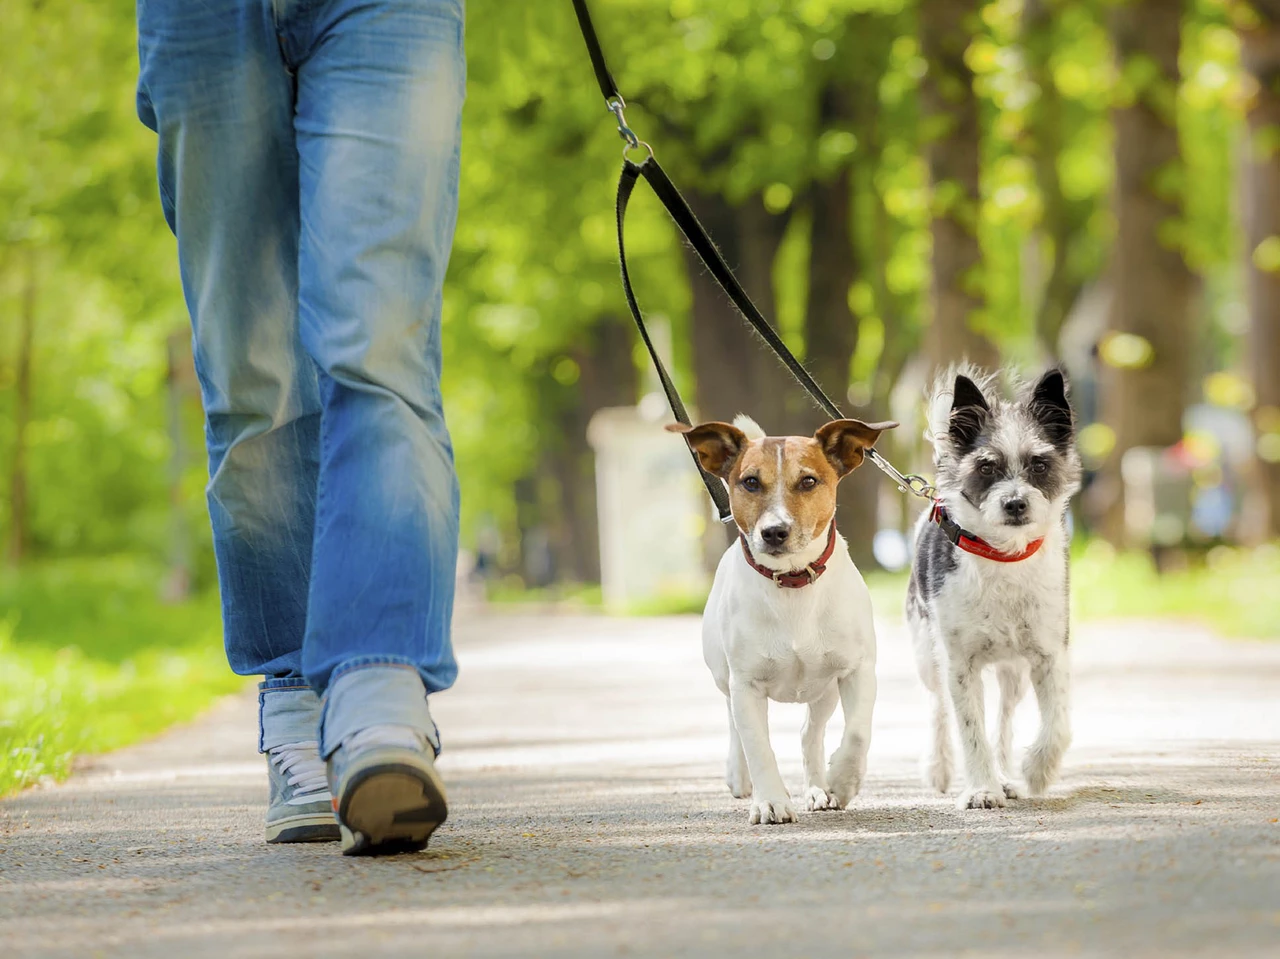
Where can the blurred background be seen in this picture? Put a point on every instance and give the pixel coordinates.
(897, 182)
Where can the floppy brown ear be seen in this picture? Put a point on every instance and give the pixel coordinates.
(843, 442)
(717, 445)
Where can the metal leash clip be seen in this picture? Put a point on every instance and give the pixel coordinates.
(907, 482)
(616, 105)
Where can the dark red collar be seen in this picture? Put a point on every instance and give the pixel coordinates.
(797, 577)
(966, 541)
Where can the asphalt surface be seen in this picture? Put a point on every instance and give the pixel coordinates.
(589, 818)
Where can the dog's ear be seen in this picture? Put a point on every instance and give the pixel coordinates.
(969, 412)
(1051, 409)
(843, 442)
(717, 445)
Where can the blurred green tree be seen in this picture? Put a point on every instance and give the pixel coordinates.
(1260, 30)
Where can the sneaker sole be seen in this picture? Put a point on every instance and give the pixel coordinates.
(311, 827)
(390, 808)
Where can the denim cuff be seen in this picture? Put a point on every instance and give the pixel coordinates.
(374, 694)
(287, 713)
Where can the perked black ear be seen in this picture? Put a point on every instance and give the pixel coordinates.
(1052, 411)
(969, 412)
(717, 445)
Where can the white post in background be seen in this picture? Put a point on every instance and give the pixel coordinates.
(652, 507)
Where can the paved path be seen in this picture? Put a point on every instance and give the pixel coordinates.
(589, 819)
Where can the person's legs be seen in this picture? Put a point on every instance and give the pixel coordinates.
(379, 101)
(380, 89)
(214, 87)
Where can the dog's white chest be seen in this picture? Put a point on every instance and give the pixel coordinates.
(792, 645)
(799, 675)
(1006, 612)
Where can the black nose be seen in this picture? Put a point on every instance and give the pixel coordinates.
(1015, 507)
(775, 535)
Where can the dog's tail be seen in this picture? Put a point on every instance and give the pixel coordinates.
(941, 392)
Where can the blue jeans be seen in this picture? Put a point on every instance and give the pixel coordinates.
(308, 165)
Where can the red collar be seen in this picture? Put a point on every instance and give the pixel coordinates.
(966, 541)
(797, 577)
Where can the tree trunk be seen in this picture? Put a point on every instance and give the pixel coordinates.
(831, 336)
(607, 377)
(18, 499)
(1262, 183)
(1145, 395)
(1064, 222)
(733, 370)
(953, 152)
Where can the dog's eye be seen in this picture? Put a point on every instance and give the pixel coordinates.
(987, 469)
(1039, 466)
(751, 484)
(808, 482)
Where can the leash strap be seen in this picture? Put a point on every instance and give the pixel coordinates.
(679, 210)
(710, 256)
(603, 76)
(626, 184)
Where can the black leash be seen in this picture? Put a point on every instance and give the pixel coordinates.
(678, 208)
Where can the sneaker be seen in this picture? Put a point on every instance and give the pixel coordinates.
(388, 795)
(301, 807)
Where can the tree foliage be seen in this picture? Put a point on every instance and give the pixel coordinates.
(771, 114)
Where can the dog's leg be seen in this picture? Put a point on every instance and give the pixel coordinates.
(849, 761)
(937, 758)
(982, 785)
(736, 773)
(1051, 680)
(817, 795)
(1013, 686)
(769, 800)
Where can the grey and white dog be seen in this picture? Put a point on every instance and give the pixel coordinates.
(989, 584)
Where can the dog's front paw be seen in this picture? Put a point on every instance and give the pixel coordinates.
(817, 798)
(936, 773)
(1040, 767)
(981, 799)
(846, 781)
(766, 812)
(1011, 790)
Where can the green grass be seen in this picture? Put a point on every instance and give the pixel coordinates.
(91, 659)
(1234, 592)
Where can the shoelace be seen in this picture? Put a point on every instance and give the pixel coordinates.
(405, 737)
(302, 760)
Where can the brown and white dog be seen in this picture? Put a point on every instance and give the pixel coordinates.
(789, 616)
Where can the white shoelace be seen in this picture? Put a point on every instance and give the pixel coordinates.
(305, 770)
(405, 737)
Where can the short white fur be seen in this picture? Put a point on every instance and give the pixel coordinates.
(815, 645)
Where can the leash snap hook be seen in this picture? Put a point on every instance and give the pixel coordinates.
(616, 105)
(919, 485)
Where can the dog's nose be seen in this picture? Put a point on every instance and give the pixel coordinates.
(1015, 507)
(775, 536)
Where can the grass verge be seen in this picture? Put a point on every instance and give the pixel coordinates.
(1234, 592)
(91, 659)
